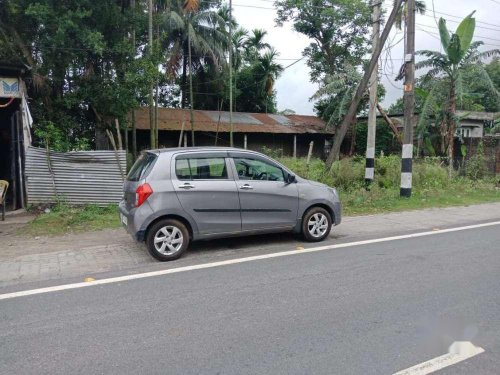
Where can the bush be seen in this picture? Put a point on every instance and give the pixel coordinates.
(348, 174)
(476, 166)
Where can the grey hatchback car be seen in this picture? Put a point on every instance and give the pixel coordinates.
(177, 195)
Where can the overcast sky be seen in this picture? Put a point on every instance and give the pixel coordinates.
(294, 88)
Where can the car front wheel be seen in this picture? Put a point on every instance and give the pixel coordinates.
(167, 239)
(316, 224)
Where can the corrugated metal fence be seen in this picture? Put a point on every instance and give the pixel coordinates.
(74, 177)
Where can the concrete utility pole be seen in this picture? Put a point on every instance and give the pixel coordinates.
(372, 114)
(409, 103)
(231, 140)
(351, 112)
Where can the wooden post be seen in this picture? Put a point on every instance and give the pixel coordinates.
(118, 134)
(185, 140)
(309, 153)
(182, 132)
(294, 146)
(245, 141)
(13, 134)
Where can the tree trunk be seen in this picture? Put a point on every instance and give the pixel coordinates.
(152, 131)
(452, 126)
(132, 116)
(191, 100)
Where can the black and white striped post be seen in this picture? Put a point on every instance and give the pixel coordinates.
(372, 87)
(406, 170)
(409, 103)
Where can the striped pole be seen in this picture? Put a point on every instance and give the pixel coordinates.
(406, 170)
(370, 165)
(372, 88)
(409, 103)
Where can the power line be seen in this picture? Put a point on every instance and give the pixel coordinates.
(477, 36)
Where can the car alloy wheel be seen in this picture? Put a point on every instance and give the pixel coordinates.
(168, 240)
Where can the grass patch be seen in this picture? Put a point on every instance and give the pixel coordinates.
(72, 219)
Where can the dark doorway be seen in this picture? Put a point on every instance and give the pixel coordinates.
(12, 152)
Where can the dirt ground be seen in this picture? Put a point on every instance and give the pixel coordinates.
(13, 239)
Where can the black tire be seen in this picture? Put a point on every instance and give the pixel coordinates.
(306, 233)
(156, 228)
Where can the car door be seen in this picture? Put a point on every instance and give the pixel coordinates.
(267, 201)
(206, 189)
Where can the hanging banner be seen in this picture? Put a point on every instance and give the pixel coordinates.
(9, 87)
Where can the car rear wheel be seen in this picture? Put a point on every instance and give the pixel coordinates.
(167, 239)
(316, 224)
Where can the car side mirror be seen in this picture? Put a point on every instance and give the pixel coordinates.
(290, 178)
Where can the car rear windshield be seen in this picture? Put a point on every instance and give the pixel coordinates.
(142, 167)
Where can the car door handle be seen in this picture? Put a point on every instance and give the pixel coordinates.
(187, 185)
(246, 187)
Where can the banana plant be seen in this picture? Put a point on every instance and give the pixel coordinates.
(459, 53)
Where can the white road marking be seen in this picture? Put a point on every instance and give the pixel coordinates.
(459, 351)
(118, 279)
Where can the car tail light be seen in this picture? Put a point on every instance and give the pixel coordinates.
(142, 193)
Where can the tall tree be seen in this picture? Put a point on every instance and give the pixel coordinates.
(338, 30)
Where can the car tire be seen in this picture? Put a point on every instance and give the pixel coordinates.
(167, 239)
(316, 224)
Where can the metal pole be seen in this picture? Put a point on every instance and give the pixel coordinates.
(409, 103)
(231, 140)
(372, 114)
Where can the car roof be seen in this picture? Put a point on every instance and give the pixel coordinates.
(198, 149)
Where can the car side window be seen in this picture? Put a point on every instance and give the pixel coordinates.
(201, 169)
(254, 169)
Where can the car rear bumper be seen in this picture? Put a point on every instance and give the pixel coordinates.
(128, 219)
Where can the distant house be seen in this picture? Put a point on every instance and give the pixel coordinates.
(471, 124)
(255, 131)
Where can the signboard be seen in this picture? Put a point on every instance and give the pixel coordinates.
(9, 87)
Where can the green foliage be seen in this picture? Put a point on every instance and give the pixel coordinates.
(476, 166)
(56, 139)
(338, 30)
(385, 140)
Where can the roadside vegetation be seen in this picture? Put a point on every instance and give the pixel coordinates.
(432, 186)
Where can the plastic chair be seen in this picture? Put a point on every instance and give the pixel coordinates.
(4, 185)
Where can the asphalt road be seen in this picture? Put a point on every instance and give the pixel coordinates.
(369, 309)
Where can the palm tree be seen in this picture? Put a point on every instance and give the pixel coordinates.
(268, 71)
(420, 8)
(255, 44)
(196, 36)
(459, 54)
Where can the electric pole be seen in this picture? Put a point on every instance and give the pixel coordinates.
(231, 140)
(372, 113)
(351, 112)
(409, 102)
